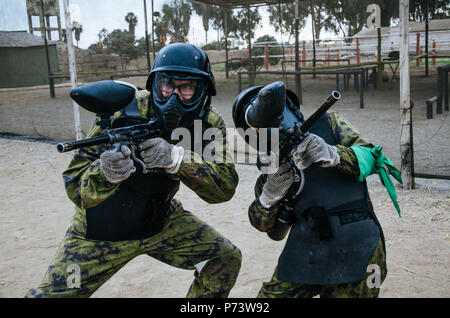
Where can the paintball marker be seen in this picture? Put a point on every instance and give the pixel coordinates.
(104, 98)
(270, 110)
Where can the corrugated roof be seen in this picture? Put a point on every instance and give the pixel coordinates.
(20, 39)
(243, 3)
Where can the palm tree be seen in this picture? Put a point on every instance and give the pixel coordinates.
(176, 15)
(132, 21)
(205, 11)
(78, 29)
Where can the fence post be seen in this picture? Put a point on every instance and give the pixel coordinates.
(440, 90)
(328, 56)
(266, 56)
(357, 51)
(417, 47)
(433, 53)
(445, 87)
(304, 53)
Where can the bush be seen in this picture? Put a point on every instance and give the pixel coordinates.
(259, 50)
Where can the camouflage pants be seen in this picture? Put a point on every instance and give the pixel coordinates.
(362, 289)
(185, 242)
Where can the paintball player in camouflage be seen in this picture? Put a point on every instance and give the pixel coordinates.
(122, 213)
(335, 242)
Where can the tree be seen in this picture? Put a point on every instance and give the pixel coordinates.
(122, 43)
(219, 14)
(320, 13)
(177, 15)
(437, 9)
(282, 17)
(77, 28)
(273, 49)
(141, 46)
(161, 30)
(247, 20)
(205, 11)
(132, 21)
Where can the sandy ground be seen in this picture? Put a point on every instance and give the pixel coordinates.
(35, 211)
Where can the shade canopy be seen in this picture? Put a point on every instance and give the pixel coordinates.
(244, 3)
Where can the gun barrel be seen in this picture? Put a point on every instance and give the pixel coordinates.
(326, 105)
(72, 145)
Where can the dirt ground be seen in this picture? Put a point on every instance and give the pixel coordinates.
(35, 211)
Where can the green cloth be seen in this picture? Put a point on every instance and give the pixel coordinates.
(372, 160)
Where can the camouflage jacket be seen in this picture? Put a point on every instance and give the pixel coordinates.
(346, 136)
(87, 186)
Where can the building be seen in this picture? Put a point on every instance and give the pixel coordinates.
(439, 32)
(23, 60)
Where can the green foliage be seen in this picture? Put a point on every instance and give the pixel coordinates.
(141, 46)
(176, 17)
(94, 48)
(248, 21)
(273, 50)
(348, 17)
(205, 11)
(77, 28)
(216, 46)
(132, 21)
(218, 17)
(282, 17)
(122, 43)
(438, 9)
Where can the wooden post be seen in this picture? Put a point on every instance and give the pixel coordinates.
(417, 47)
(44, 35)
(225, 19)
(147, 45)
(153, 30)
(73, 68)
(405, 101)
(298, 78)
(380, 64)
(433, 53)
(313, 36)
(427, 28)
(304, 53)
(358, 58)
(251, 77)
(266, 56)
(328, 55)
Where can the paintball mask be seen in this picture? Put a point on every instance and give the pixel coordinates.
(181, 85)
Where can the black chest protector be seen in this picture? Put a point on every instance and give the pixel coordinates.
(139, 207)
(336, 230)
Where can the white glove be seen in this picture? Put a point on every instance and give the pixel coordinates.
(158, 153)
(117, 166)
(313, 149)
(277, 186)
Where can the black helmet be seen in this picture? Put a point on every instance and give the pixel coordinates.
(286, 118)
(249, 95)
(185, 68)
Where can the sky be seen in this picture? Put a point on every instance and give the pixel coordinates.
(95, 15)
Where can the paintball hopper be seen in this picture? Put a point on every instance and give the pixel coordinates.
(104, 97)
(270, 106)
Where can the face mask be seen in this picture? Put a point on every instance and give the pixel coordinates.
(178, 99)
